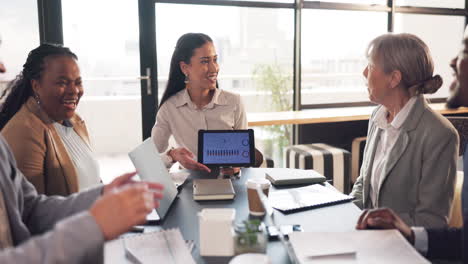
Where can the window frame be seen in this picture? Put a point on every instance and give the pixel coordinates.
(390, 8)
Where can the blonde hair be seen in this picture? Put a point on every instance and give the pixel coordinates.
(410, 55)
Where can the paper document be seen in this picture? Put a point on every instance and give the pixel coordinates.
(360, 246)
(167, 246)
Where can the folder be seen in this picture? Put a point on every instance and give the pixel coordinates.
(213, 189)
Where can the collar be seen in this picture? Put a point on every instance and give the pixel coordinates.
(183, 98)
(400, 118)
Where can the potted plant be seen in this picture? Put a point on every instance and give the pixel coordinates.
(250, 237)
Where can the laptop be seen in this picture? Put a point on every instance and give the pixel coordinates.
(151, 168)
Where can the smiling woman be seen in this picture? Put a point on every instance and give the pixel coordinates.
(49, 140)
(192, 101)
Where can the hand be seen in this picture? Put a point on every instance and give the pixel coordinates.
(116, 212)
(384, 218)
(185, 158)
(126, 179)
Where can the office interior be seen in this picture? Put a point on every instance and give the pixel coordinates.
(279, 55)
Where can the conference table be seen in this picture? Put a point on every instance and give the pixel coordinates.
(183, 214)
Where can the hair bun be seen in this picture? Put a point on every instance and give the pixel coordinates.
(432, 85)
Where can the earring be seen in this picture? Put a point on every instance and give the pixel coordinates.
(36, 97)
(186, 79)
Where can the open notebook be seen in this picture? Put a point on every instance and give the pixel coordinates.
(166, 246)
(313, 196)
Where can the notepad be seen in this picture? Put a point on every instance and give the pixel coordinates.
(213, 189)
(287, 176)
(312, 196)
(167, 246)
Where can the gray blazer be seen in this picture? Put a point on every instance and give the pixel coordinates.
(419, 175)
(46, 229)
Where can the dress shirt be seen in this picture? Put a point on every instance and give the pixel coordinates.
(180, 118)
(390, 133)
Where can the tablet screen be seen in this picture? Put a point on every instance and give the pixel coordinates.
(226, 147)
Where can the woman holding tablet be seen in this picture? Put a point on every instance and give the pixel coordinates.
(192, 101)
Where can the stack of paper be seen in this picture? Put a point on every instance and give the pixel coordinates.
(166, 246)
(366, 246)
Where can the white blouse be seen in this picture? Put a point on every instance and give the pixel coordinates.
(180, 118)
(86, 165)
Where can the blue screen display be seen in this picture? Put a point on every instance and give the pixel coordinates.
(226, 148)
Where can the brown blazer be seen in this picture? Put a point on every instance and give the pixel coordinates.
(39, 150)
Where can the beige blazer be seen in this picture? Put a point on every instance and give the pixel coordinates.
(39, 150)
(419, 175)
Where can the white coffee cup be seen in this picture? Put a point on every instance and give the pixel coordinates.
(255, 205)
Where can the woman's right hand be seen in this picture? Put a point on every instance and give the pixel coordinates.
(116, 212)
(185, 158)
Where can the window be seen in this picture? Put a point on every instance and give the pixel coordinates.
(19, 34)
(108, 55)
(443, 35)
(333, 54)
(377, 2)
(254, 45)
(256, 48)
(432, 3)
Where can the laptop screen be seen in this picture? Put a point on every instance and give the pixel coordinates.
(151, 168)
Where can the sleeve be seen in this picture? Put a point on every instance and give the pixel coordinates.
(64, 231)
(29, 148)
(357, 192)
(445, 243)
(358, 185)
(40, 213)
(161, 130)
(70, 241)
(241, 116)
(437, 182)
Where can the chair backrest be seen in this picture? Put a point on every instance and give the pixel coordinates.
(461, 124)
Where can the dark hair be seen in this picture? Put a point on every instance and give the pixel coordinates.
(20, 89)
(185, 46)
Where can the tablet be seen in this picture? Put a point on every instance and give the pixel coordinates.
(223, 148)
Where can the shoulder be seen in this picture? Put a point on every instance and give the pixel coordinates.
(437, 124)
(23, 122)
(229, 96)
